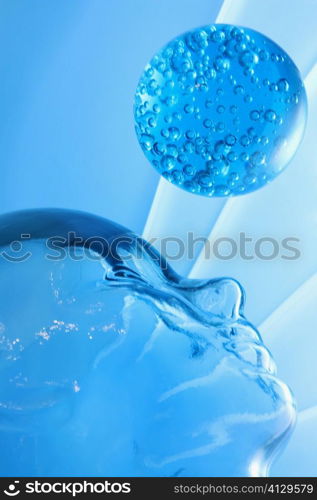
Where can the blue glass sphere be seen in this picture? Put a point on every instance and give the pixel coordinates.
(220, 110)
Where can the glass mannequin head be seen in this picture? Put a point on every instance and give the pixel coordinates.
(113, 365)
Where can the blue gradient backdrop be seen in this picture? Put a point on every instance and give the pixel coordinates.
(68, 75)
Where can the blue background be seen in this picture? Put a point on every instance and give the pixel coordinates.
(68, 75)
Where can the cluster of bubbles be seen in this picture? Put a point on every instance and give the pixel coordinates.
(220, 110)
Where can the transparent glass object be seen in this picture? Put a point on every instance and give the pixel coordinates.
(111, 364)
(220, 110)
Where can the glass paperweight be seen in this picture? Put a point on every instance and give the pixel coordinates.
(220, 110)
